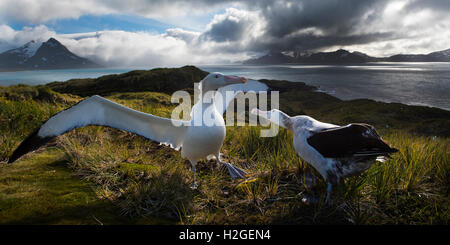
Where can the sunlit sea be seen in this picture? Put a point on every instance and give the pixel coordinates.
(426, 84)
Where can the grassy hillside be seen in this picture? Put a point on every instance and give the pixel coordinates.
(99, 175)
(166, 80)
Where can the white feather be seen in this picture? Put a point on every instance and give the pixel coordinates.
(97, 110)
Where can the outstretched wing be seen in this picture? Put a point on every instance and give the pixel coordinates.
(97, 110)
(356, 139)
(226, 94)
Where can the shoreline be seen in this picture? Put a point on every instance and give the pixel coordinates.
(384, 101)
(317, 89)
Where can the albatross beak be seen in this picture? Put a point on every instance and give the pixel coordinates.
(235, 79)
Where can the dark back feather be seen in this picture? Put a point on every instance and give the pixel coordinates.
(353, 139)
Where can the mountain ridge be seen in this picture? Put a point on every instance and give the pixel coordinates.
(42, 56)
(342, 56)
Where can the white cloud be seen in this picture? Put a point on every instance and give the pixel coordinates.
(170, 12)
(187, 36)
(35, 12)
(417, 30)
(231, 35)
(10, 38)
(120, 48)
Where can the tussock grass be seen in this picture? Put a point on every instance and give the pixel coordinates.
(23, 108)
(141, 179)
(157, 182)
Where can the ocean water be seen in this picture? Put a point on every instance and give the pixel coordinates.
(46, 76)
(426, 84)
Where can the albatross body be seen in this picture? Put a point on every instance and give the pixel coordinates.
(334, 151)
(198, 138)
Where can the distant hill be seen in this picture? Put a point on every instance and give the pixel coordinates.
(339, 56)
(166, 80)
(439, 56)
(272, 58)
(342, 56)
(47, 55)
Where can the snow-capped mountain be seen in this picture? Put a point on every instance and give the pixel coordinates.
(18, 56)
(48, 55)
(27, 50)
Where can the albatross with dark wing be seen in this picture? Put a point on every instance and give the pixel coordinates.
(334, 151)
(198, 138)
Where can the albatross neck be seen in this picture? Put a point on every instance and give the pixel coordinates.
(208, 97)
(205, 109)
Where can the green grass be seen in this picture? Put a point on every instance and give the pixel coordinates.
(99, 175)
(42, 190)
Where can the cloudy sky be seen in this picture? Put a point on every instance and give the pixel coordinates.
(179, 32)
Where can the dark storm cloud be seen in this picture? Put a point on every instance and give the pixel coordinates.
(314, 42)
(228, 29)
(233, 25)
(331, 16)
(335, 21)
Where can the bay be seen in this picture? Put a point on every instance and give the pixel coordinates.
(426, 84)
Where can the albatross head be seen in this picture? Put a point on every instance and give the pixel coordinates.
(216, 80)
(276, 116)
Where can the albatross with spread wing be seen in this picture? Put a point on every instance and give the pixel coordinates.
(197, 139)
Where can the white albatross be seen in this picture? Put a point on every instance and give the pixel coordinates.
(334, 151)
(198, 138)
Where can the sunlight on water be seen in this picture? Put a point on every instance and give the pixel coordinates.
(386, 68)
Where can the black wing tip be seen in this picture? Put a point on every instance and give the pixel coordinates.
(11, 160)
(31, 143)
(393, 150)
